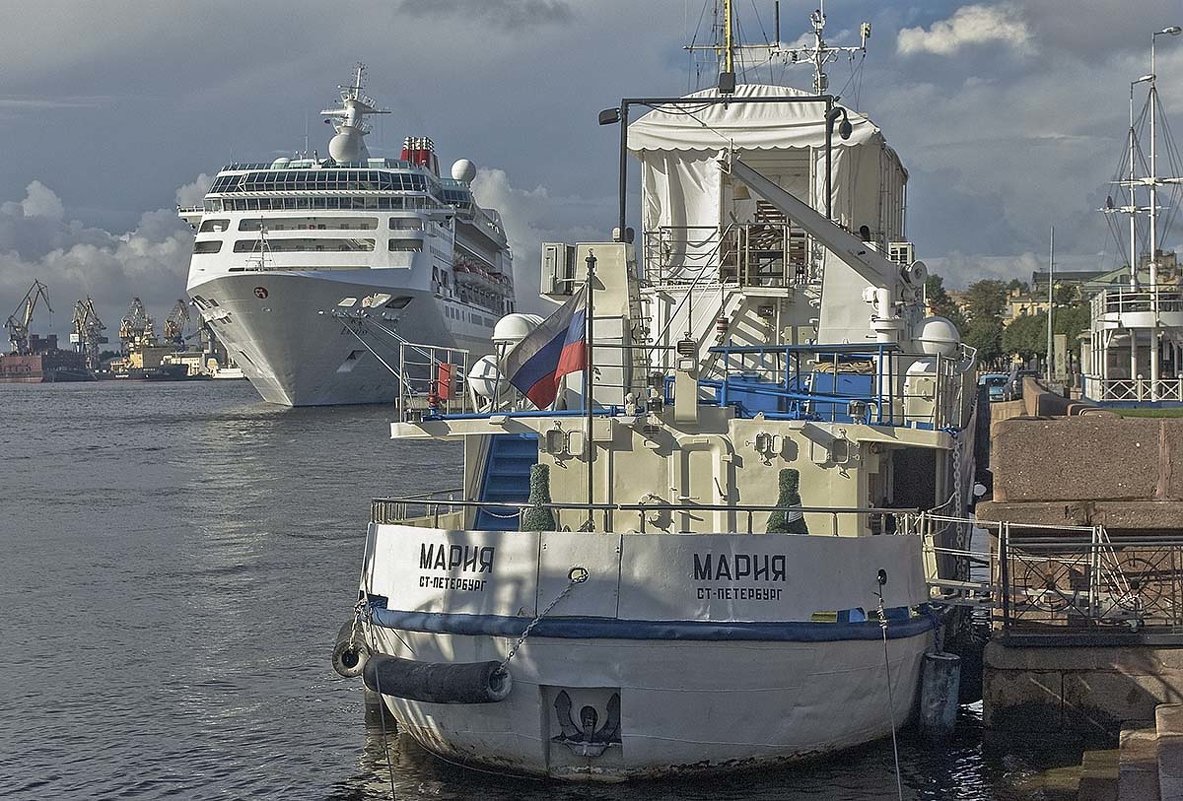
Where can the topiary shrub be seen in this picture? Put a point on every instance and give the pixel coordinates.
(788, 519)
(538, 517)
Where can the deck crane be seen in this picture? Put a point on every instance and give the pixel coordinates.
(18, 322)
(176, 323)
(135, 328)
(86, 333)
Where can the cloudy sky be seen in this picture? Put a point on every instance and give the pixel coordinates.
(1009, 115)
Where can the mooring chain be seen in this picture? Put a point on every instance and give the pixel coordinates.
(577, 575)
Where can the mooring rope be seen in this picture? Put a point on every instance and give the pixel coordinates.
(895, 749)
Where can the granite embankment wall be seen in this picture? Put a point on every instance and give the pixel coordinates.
(1090, 467)
(1059, 462)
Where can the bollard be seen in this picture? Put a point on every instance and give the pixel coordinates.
(939, 685)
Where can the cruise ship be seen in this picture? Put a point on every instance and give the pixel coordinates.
(316, 272)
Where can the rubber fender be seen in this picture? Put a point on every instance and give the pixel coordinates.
(350, 654)
(437, 682)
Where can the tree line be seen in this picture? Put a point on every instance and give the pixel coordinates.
(980, 319)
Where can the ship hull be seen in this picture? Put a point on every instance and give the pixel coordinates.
(674, 654)
(284, 331)
(60, 366)
(687, 707)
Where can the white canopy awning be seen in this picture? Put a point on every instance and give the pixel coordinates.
(751, 126)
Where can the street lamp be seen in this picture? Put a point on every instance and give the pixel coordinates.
(1173, 30)
(844, 131)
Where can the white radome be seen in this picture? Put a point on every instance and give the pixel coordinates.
(513, 328)
(464, 170)
(345, 147)
(938, 337)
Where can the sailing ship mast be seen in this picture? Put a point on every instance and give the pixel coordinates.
(818, 53)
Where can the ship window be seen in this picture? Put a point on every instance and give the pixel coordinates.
(211, 246)
(215, 226)
(405, 246)
(304, 245)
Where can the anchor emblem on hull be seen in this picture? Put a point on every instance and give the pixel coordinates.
(583, 738)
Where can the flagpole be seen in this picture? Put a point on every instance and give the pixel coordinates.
(589, 317)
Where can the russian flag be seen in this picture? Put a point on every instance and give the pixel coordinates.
(550, 351)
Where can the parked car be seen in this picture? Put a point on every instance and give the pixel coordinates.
(1014, 383)
(995, 384)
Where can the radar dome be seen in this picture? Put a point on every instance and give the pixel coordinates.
(464, 170)
(484, 377)
(347, 146)
(513, 328)
(938, 337)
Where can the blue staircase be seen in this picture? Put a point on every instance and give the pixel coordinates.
(507, 479)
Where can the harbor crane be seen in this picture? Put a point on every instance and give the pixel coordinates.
(136, 326)
(86, 333)
(176, 323)
(18, 322)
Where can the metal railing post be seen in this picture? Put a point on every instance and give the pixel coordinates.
(1004, 574)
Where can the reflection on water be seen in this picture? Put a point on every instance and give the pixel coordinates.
(177, 559)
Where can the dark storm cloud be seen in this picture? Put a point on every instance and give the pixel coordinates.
(1010, 112)
(508, 14)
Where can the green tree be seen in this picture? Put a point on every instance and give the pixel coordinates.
(985, 298)
(1026, 337)
(941, 304)
(985, 301)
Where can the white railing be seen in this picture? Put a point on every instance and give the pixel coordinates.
(1135, 390)
(1124, 300)
(750, 254)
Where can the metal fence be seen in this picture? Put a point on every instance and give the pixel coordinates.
(1076, 585)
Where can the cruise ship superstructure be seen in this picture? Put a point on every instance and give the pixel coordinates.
(313, 271)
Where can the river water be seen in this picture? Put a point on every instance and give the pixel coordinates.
(175, 560)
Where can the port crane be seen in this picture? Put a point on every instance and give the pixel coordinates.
(136, 327)
(86, 333)
(18, 322)
(176, 323)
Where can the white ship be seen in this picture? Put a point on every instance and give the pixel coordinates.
(313, 270)
(717, 549)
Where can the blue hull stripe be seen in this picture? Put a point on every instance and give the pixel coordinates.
(598, 628)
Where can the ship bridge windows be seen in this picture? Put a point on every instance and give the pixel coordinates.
(304, 245)
(214, 226)
(323, 180)
(300, 203)
(207, 246)
(309, 224)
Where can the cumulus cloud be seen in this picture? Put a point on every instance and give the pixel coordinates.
(533, 216)
(40, 201)
(38, 242)
(969, 25)
(192, 193)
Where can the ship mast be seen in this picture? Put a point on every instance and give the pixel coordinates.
(817, 54)
(349, 120)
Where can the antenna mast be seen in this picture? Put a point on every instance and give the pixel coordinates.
(819, 54)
